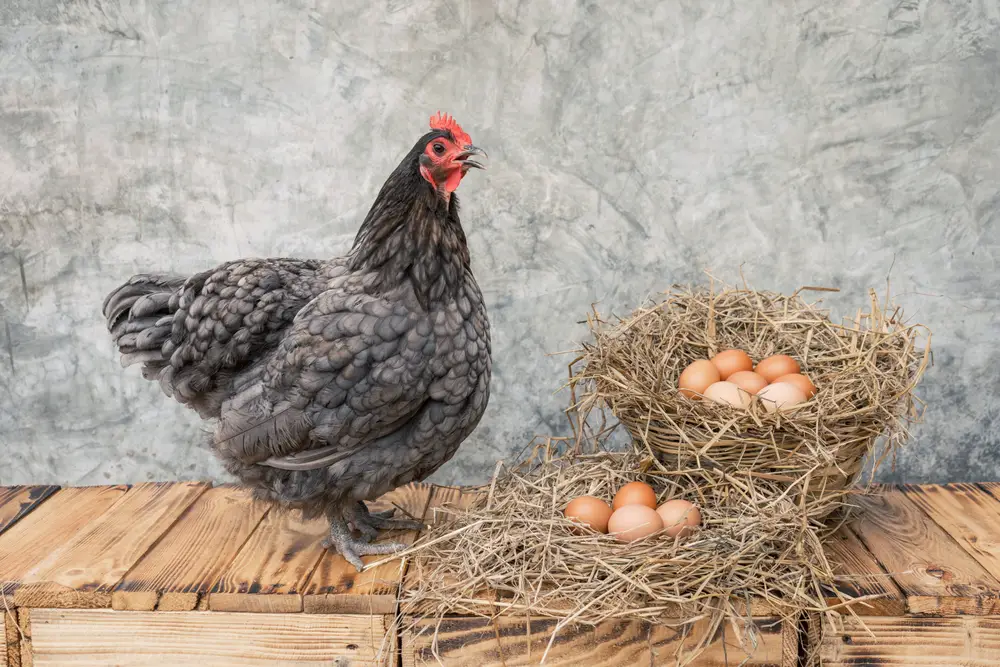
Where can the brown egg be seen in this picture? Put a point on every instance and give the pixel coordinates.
(679, 517)
(589, 510)
(774, 367)
(748, 381)
(634, 522)
(728, 393)
(732, 361)
(635, 493)
(696, 378)
(800, 381)
(781, 396)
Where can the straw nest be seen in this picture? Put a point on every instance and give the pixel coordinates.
(512, 552)
(766, 484)
(865, 370)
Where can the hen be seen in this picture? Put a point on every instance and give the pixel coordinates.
(332, 381)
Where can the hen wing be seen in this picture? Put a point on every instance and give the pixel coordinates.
(352, 368)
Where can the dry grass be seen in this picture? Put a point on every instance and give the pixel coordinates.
(865, 370)
(768, 486)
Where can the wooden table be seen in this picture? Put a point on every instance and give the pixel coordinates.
(191, 574)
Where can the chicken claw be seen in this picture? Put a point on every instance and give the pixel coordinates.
(351, 548)
(382, 520)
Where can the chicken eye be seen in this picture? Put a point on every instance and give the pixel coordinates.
(439, 148)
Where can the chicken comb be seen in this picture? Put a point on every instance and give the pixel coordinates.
(445, 122)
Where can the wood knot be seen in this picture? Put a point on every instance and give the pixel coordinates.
(937, 572)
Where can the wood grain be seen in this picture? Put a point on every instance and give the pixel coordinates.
(83, 571)
(912, 642)
(507, 643)
(937, 576)
(97, 638)
(859, 575)
(189, 558)
(17, 501)
(967, 512)
(11, 655)
(24, 633)
(336, 587)
(50, 527)
(271, 570)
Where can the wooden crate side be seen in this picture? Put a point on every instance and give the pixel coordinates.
(937, 576)
(335, 586)
(49, 528)
(188, 560)
(508, 642)
(859, 575)
(83, 571)
(24, 635)
(101, 637)
(911, 641)
(17, 501)
(11, 656)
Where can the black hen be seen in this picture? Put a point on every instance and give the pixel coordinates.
(333, 382)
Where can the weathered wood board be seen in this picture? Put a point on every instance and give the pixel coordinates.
(860, 576)
(936, 575)
(100, 637)
(511, 642)
(272, 568)
(83, 571)
(48, 529)
(969, 514)
(188, 559)
(914, 642)
(17, 501)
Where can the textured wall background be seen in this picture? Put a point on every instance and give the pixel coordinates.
(632, 144)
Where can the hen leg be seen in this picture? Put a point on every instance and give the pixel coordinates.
(351, 548)
(382, 520)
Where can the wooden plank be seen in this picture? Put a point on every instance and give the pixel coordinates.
(859, 575)
(83, 571)
(11, 655)
(967, 512)
(336, 587)
(97, 638)
(188, 560)
(937, 576)
(912, 642)
(271, 570)
(49, 527)
(24, 627)
(17, 501)
(507, 642)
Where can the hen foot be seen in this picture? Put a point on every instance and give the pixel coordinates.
(383, 520)
(351, 548)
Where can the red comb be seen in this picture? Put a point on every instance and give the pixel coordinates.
(446, 122)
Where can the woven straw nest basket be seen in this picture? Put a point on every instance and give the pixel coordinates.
(865, 370)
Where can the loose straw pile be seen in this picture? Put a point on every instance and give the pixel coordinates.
(512, 552)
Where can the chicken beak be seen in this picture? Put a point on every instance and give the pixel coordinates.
(468, 152)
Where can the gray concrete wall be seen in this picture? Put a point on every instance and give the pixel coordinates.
(632, 144)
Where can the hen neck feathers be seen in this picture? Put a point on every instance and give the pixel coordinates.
(412, 235)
